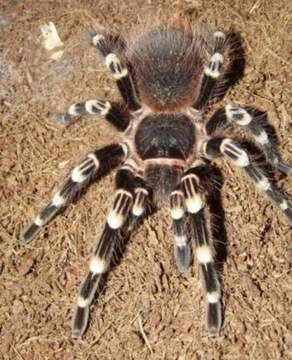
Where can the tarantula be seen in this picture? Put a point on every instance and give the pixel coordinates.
(167, 78)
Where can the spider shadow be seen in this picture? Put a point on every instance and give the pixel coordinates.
(218, 230)
(235, 68)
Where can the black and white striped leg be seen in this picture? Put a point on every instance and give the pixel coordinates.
(182, 249)
(248, 119)
(239, 157)
(204, 252)
(97, 267)
(94, 166)
(140, 197)
(127, 202)
(116, 68)
(212, 71)
(202, 237)
(141, 207)
(113, 113)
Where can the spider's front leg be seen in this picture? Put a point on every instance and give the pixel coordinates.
(95, 165)
(254, 122)
(237, 156)
(129, 203)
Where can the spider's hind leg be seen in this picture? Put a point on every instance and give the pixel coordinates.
(129, 205)
(121, 74)
(93, 167)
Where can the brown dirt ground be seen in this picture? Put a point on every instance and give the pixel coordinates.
(39, 281)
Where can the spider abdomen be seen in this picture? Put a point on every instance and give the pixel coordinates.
(168, 66)
(165, 136)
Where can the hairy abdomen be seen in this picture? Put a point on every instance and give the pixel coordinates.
(167, 65)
